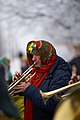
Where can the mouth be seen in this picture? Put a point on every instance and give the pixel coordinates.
(35, 63)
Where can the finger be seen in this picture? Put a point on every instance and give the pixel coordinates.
(21, 83)
(20, 72)
(17, 74)
(76, 80)
(18, 91)
(18, 87)
(78, 77)
(73, 77)
(13, 79)
(71, 82)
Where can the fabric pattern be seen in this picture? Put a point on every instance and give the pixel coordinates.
(42, 48)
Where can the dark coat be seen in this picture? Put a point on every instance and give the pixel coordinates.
(58, 76)
(6, 105)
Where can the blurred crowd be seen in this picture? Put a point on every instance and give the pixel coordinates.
(7, 65)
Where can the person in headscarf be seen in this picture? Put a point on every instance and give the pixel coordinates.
(52, 72)
(7, 107)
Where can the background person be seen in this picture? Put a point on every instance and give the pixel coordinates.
(8, 75)
(7, 107)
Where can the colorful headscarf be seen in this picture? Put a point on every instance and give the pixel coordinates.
(43, 48)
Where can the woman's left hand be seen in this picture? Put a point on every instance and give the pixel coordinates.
(21, 87)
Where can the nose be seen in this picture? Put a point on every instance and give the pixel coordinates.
(34, 58)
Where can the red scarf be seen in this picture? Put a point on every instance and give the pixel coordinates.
(40, 75)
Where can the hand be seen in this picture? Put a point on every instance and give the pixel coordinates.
(21, 87)
(16, 76)
(74, 79)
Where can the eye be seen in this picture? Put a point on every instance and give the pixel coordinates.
(30, 56)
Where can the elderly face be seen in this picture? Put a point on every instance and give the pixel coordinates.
(36, 58)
